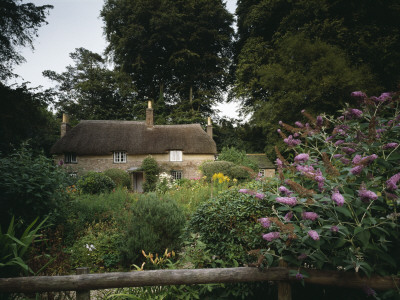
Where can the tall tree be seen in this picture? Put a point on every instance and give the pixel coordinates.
(19, 24)
(310, 54)
(90, 90)
(177, 52)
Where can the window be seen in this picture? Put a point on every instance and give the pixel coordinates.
(176, 175)
(175, 155)
(261, 172)
(119, 157)
(70, 158)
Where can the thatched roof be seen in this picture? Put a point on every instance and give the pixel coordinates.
(261, 160)
(104, 137)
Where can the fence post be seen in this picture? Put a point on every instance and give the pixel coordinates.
(284, 289)
(85, 294)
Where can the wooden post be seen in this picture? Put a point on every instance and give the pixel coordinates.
(82, 294)
(284, 289)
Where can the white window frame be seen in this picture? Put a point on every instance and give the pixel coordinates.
(262, 172)
(176, 175)
(70, 158)
(175, 155)
(119, 157)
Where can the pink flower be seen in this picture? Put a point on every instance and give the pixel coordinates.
(390, 146)
(357, 159)
(284, 190)
(291, 201)
(244, 191)
(299, 124)
(338, 198)
(359, 94)
(345, 161)
(356, 170)
(368, 159)
(339, 142)
(265, 222)
(338, 155)
(259, 196)
(279, 163)
(271, 236)
(366, 195)
(334, 229)
(313, 234)
(308, 215)
(391, 183)
(302, 158)
(291, 142)
(348, 150)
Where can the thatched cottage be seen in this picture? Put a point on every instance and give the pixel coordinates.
(99, 145)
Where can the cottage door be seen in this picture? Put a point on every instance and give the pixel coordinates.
(138, 182)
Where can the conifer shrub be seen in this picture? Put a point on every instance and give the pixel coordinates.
(95, 183)
(154, 226)
(120, 177)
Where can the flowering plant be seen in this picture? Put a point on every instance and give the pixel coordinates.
(336, 205)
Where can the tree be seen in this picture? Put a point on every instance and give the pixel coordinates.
(24, 116)
(90, 90)
(176, 52)
(19, 23)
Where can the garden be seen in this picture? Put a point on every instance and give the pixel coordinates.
(333, 205)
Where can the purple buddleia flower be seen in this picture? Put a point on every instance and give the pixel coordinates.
(345, 161)
(338, 155)
(356, 170)
(391, 183)
(385, 96)
(288, 217)
(284, 190)
(338, 198)
(348, 150)
(291, 142)
(259, 196)
(339, 142)
(296, 134)
(334, 229)
(366, 195)
(305, 169)
(291, 201)
(319, 179)
(302, 158)
(265, 222)
(299, 276)
(280, 123)
(329, 138)
(271, 236)
(314, 235)
(368, 159)
(320, 121)
(279, 163)
(359, 94)
(299, 124)
(390, 146)
(356, 160)
(355, 113)
(244, 191)
(309, 215)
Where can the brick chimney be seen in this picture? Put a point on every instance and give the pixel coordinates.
(209, 127)
(64, 125)
(149, 115)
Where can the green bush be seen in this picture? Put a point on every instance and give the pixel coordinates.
(227, 168)
(238, 157)
(95, 183)
(151, 170)
(228, 225)
(120, 177)
(154, 226)
(30, 186)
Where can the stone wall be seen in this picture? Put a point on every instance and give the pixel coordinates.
(189, 165)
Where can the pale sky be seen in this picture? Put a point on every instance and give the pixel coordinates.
(73, 24)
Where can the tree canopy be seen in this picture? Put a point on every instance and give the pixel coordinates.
(177, 52)
(19, 24)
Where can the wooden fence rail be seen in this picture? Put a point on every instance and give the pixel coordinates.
(86, 282)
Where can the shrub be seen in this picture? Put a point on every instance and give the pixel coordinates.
(155, 226)
(227, 168)
(337, 204)
(238, 157)
(120, 177)
(30, 186)
(95, 183)
(226, 224)
(151, 170)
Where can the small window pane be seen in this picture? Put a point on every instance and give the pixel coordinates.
(175, 155)
(70, 158)
(119, 157)
(176, 175)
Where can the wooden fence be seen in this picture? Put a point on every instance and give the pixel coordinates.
(85, 282)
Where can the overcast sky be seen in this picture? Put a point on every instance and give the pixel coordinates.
(72, 24)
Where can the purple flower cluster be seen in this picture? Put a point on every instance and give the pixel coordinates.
(313, 234)
(285, 191)
(334, 229)
(390, 146)
(259, 196)
(367, 195)
(302, 158)
(359, 94)
(382, 98)
(338, 198)
(339, 142)
(291, 142)
(348, 150)
(319, 121)
(288, 216)
(308, 215)
(299, 276)
(291, 201)
(356, 170)
(279, 163)
(265, 222)
(271, 236)
(253, 193)
(368, 159)
(357, 159)
(319, 179)
(299, 124)
(391, 183)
